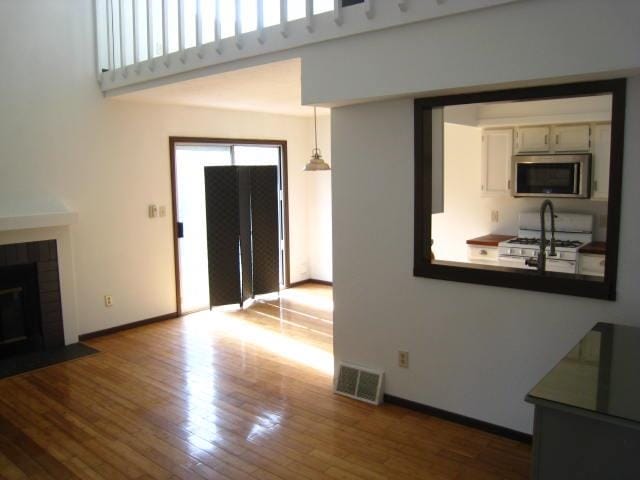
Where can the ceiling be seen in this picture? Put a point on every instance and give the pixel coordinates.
(270, 88)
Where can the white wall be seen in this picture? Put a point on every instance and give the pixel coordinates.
(474, 350)
(467, 213)
(107, 160)
(518, 43)
(319, 209)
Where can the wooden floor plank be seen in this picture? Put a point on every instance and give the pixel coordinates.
(229, 395)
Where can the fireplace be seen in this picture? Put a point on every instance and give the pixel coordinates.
(30, 300)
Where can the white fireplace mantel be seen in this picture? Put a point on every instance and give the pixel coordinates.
(41, 220)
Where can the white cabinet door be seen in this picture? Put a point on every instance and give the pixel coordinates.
(590, 264)
(571, 138)
(601, 157)
(497, 148)
(532, 139)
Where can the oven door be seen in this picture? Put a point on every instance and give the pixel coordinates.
(551, 176)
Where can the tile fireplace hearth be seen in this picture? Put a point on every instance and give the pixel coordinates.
(30, 300)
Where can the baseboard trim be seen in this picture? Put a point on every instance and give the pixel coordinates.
(460, 419)
(127, 326)
(310, 280)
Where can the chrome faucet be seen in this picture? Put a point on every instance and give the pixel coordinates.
(541, 262)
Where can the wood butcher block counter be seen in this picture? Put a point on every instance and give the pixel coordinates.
(489, 240)
(594, 248)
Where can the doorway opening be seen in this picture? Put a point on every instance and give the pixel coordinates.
(194, 162)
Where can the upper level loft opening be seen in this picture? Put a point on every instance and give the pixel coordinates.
(143, 40)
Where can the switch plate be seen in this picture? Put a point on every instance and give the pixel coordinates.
(108, 301)
(162, 211)
(403, 359)
(153, 211)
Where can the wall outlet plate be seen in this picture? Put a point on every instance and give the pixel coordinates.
(403, 359)
(153, 211)
(108, 301)
(495, 216)
(162, 211)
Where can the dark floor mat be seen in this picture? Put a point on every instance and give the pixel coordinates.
(34, 360)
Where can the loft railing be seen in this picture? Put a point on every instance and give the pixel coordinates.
(142, 40)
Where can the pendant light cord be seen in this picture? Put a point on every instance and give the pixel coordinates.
(315, 125)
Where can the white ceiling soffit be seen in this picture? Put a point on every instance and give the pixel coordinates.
(271, 88)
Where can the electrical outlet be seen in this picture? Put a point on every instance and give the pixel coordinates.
(403, 359)
(108, 301)
(162, 211)
(495, 216)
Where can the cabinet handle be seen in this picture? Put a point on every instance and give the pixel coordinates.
(595, 185)
(557, 139)
(546, 139)
(602, 263)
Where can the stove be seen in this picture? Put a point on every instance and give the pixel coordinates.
(573, 230)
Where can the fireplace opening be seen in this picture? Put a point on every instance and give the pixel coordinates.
(20, 319)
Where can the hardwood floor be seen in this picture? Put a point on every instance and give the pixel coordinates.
(225, 395)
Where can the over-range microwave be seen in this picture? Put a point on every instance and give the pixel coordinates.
(567, 175)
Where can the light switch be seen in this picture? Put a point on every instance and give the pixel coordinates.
(153, 211)
(162, 210)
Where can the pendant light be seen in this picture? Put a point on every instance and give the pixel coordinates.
(316, 163)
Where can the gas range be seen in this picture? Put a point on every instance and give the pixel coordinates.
(573, 230)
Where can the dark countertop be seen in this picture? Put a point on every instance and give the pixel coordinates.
(600, 375)
(489, 240)
(597, 248)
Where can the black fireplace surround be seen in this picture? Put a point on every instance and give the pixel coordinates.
(30, 300)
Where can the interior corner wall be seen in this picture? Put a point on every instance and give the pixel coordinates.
(60, 140)
(474, 350)
(320, 209)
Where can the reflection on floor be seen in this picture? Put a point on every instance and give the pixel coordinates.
(228, 395)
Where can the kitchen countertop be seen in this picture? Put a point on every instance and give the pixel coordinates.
(599, 376)
(596, 248)
(489, 240)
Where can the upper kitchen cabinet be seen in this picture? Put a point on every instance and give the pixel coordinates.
(497, 148)
(532, 139)
(571, 138)
(601, 159)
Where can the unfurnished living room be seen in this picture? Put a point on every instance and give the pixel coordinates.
(309, 239)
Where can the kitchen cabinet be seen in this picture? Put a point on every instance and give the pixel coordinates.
(482, 254)
(485, 249)
(571, 138)
(497, 148)
(590, 264)
(601, 159)
(532, 139)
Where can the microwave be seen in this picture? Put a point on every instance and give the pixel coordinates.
(567, 176)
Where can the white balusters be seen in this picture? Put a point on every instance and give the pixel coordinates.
(238, 24)
(96, 41)
(284, 18)
(123, 40)
(260, 7)
(165, 32)
(368, 9)
(309, 15)
(181, 31)
(134, 17)
(337, 12)
(218, 28)
(150, 60)
(199, 28)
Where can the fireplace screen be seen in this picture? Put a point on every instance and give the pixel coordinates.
(12, 315)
